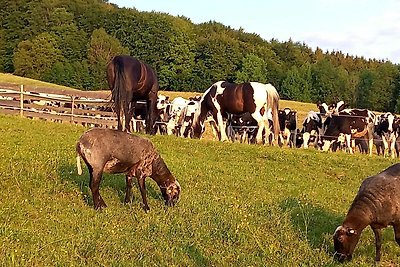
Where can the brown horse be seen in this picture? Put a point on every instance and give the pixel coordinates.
(132, 80)
(223, 97)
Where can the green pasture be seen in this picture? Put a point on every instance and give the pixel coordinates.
(241, 205)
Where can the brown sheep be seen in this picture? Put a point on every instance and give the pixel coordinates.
(376, 204)
(113, 151)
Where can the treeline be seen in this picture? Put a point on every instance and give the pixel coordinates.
(69, 42)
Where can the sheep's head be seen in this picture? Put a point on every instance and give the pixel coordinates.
(171, 193)
(345, 240)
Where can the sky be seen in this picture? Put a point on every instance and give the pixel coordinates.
(368, 28)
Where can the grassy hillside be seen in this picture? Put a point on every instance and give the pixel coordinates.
(241, 205)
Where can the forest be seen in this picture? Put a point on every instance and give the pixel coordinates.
(70, 42)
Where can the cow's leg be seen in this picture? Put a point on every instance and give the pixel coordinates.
(348, 143)
(95, 178)
(378, 243)
(128, 191)
(287, 132)
(385, 146)
(293, 136)
(306, 138)
(142, 187)
(280, 139)
(353, 144)
(392, 146)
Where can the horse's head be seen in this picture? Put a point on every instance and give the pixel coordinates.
(171, 193)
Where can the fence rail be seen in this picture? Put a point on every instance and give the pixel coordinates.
(57, 107)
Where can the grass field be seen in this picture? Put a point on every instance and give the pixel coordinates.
(241, 205)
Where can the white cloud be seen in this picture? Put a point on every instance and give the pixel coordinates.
(377, 37)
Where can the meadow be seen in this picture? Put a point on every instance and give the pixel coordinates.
(241, 205)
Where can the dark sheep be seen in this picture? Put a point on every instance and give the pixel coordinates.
(113, 151)
(376, 204)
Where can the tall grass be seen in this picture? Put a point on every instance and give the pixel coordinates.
(241, 205)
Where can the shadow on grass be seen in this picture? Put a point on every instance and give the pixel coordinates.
(196, 256)
(114, 181)
(314, 223)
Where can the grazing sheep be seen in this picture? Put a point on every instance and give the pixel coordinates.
(376, 204)
(112, 151)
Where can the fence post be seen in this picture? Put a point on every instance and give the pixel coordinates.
(21, 101)
(72, 108)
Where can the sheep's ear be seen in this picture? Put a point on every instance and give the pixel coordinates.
(351, 232)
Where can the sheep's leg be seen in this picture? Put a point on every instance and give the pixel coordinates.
(95, 178)
(378, 243)
(142, 186)
(396, 228)
(128, 192)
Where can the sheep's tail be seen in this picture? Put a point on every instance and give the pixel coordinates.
(78, 164)
(78, 159)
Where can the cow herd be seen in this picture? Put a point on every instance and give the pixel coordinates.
(334, 127)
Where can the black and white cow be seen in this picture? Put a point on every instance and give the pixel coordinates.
(287, 127)
(139, 116)
(337, 107)
(348, 124)
(241, 127)
(387, 126)
(163, 114)
(323, 108)
(177, 106)
(313, 127)
(186, 118)
(334, 108)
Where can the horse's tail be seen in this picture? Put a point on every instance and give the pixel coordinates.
(273, 103)
(119, 91)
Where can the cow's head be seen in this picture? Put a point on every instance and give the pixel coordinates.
(345, 240)
(162, 102)
(323, 108)
(387, 122)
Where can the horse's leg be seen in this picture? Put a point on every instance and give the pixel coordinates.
(220, 126)
(262, 123)
(151, 111)
(119, 118)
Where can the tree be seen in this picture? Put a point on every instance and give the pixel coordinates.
(176, 68)
(34, 58)
(297, 84)
(102, 49)
(253, 69)
(72, 41)
(3, 51)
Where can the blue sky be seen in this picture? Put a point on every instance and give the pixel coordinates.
(369, 28)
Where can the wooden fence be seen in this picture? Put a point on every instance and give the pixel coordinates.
(57, 107)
